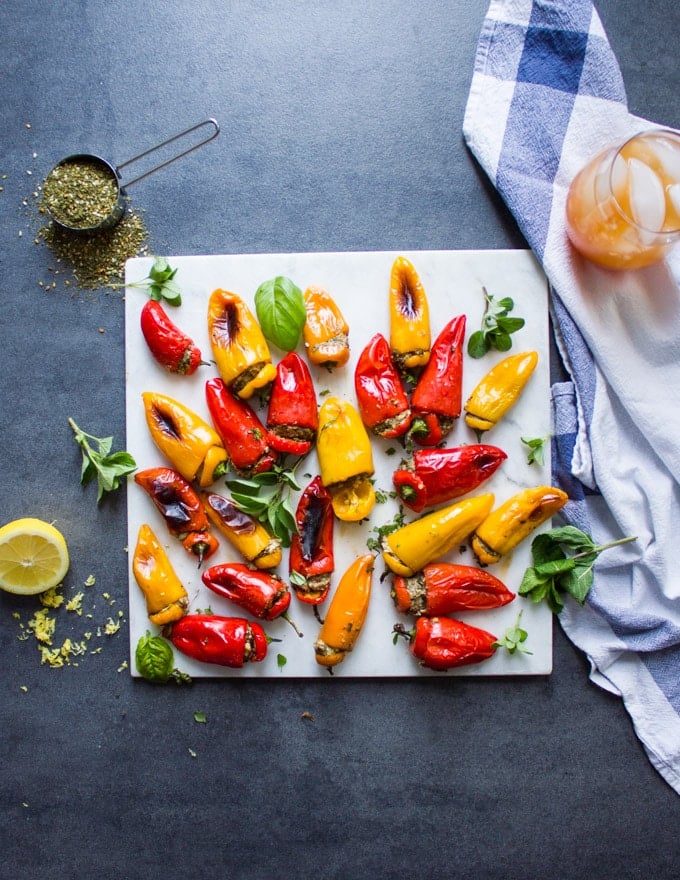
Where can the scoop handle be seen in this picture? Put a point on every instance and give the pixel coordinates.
(211, 122)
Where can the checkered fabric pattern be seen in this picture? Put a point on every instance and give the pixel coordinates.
(546, 95)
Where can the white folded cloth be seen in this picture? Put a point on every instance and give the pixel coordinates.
(546, 96)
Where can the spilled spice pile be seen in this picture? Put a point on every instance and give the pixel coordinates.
(97, 259)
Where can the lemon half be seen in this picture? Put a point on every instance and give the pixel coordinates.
(33, 556)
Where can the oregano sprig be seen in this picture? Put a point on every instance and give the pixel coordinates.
(513, 638)
(98, 461)
(535, 449)
(554, 572)
(497, 326)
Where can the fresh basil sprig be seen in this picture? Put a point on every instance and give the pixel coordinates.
(155, 661)
(554, 572)
(108, 467)
(160, 283)
(280, 309)
(497, 327)
(267, 498)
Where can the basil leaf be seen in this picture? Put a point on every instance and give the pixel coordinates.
(154, 659)
(281, 311)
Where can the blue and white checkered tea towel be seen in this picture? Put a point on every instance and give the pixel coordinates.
(546, 95)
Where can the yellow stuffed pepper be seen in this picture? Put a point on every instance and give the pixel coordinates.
(345, 460)
(246, 535)
(166, 598)
(189, 443)
(409, 317)
(413, 546)
(238, 345)
(326, 332)
(346, 613)
(499, 390)
(514, 520)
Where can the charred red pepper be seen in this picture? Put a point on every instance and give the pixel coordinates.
(169, 345)
(260, 593)
(247, 441)
(445, 588)
(292, 415)
(442, 642)
(225, 641)
(437, 398)
(435, 476)
(311, 557)
(181, 507)
(383, 403)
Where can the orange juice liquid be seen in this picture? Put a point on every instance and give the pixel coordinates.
(623, 208)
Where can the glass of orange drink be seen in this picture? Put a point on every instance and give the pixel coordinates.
(623, 207)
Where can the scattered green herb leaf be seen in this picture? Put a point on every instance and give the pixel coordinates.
(281, 661)
(281, 311)
(536, 453)
(513, 638)
(160, 283)
(268, 498)
(375, 545)
(200, 718)
(108, 467)
(497, 327)
(554, 572)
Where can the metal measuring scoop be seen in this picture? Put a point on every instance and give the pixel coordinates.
(114, 171)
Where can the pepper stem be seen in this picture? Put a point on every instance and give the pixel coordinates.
(400, 630)
(317, 615)
(293, 624)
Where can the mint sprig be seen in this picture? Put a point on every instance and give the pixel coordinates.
(554, 572)
(497, 327)
(98, 461)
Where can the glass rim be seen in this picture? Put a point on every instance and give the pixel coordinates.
(666, 132)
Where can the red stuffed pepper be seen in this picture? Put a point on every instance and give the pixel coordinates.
(170, 346)
(311, 558)
(437, 398)
(260, 593)
(182, 509)
(225, 641)
(435, 476)
(245, 438)
(383, 403)
(292, 415)
(445, 588)
(442, 643)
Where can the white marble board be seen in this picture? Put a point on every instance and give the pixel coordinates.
(359, 282)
